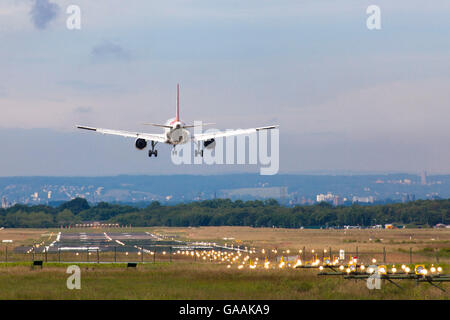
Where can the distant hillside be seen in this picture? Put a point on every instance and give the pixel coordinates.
(286, 188)
(257, 213)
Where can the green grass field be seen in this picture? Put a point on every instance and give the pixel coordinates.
(194, 281)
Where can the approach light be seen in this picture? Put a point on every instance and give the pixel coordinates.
(433, 269)
(348, 270)
(341, 268)
(394, 269)
(320, 268)
(407, 269)
(419, 269)
(363, 267)
(374, 260)
(382, 270)
(439, 269)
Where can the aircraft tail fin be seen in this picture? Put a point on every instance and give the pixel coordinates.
(177, 117)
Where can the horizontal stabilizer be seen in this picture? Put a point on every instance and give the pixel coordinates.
(157, 125)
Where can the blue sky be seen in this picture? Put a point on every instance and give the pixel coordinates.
(347, 99)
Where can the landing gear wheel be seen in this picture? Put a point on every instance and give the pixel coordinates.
(153, 151)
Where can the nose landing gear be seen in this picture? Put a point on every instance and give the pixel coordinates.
(152, 151)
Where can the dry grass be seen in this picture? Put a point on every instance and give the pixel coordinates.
(195, 281)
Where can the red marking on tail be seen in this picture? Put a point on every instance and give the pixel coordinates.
(177, 118)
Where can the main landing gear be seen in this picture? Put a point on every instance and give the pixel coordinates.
(152, 151)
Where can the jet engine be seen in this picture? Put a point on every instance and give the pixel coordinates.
(209, 144)
(140, 144)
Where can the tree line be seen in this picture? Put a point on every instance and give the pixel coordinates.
(224, 212)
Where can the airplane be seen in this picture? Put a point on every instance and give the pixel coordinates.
(175, 133)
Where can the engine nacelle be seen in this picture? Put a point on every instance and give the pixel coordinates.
(140, 144)
(209, 144)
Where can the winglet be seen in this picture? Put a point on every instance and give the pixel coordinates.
(87, 128)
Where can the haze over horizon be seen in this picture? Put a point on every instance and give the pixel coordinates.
(348, 100)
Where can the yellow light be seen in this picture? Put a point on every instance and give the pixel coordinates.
(363, 267)
(394, 269)
(418, 269)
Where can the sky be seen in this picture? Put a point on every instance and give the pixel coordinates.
(347, 99)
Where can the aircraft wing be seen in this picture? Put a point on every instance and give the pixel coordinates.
(146, 136)
(229, 133)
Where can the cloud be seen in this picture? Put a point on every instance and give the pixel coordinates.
(109, 50)
(43, 12)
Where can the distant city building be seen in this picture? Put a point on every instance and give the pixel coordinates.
(408, 197)
(337, 201)
(331, 198)
(423, 178)
(5, 203)
(368, 199)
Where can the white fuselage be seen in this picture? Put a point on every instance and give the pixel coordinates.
(176, 134)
